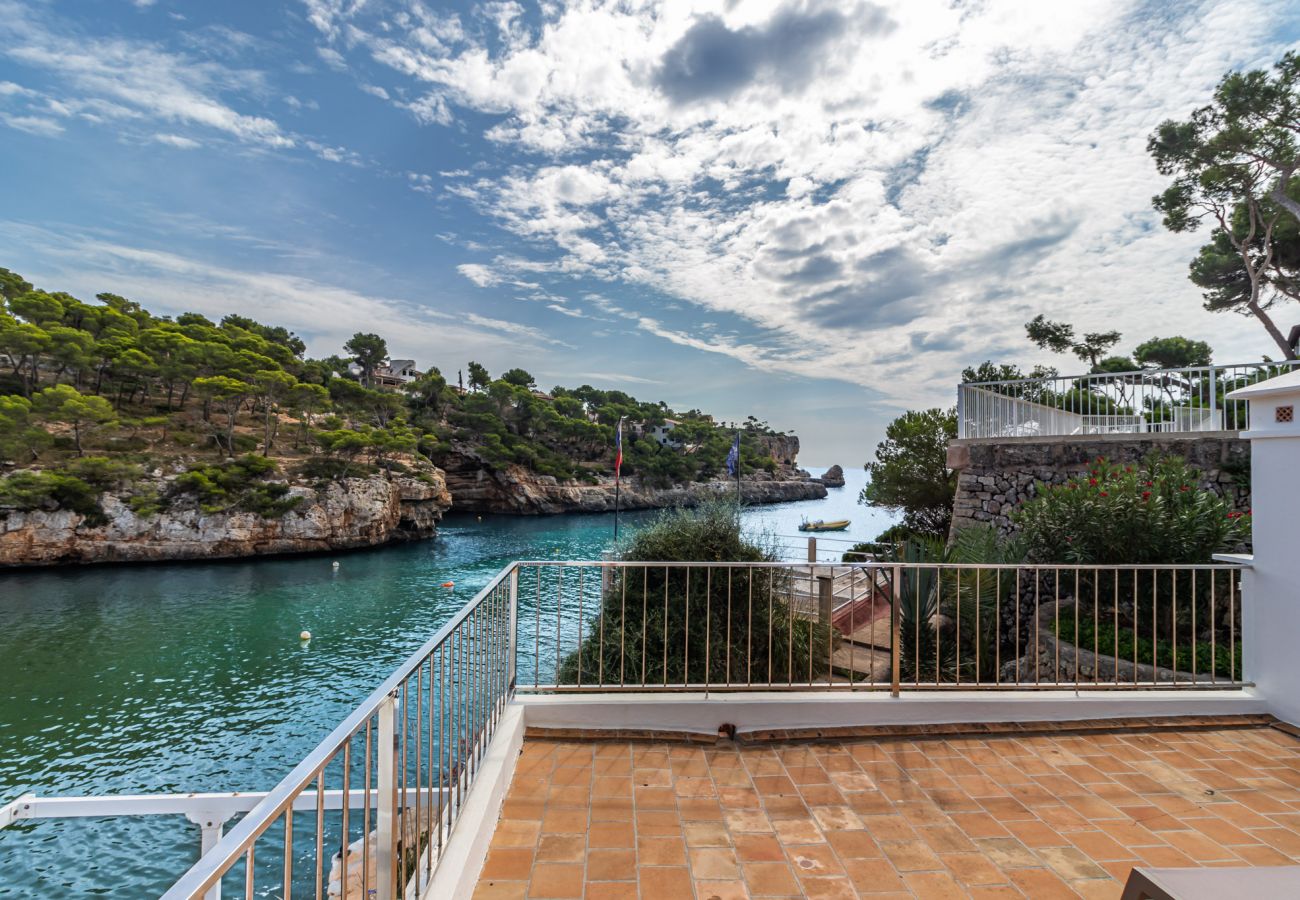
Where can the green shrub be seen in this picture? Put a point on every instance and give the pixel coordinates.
(1150, 513)
(102, 472)
(237, 484)
(321, 469)
(707, 610)
(147, 501)
(1219, 657)
(31, 490)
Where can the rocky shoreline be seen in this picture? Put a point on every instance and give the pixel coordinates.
(513, 490)
(350, 514)
(354, 513)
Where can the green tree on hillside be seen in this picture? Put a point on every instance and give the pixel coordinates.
(1059, 338)
(910, 473)
(369, 352)
(478, 376)
(519, 378)
(64, 404)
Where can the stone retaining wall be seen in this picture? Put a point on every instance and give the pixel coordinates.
(997, 474)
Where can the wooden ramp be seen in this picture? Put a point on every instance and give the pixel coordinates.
(860, 612)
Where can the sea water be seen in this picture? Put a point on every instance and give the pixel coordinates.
(192, 677)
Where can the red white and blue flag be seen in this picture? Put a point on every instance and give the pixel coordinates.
(618, 449)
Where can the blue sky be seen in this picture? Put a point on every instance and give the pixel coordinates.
(814, 212)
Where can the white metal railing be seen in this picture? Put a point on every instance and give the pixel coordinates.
(369, 812)
(1148, 400)
(671, 627)
(405, 758)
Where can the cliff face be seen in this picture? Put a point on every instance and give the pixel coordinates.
(784, 448)
(478, 487)
(353, 513)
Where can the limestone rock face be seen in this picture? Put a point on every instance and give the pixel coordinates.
(478, 487)
(353, 513)
(833, 477)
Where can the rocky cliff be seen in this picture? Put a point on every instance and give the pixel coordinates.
(477, 487)
(349, 514)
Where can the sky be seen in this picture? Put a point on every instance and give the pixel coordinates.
(817, 213)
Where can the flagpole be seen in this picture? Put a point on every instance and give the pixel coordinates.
(737, 469)
(618, 465)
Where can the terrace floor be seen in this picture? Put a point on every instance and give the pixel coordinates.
(1054, 815)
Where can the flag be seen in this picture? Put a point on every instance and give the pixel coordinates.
(733, 458)
(618, 449)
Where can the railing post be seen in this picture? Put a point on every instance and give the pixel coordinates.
(812, 549)
(825, 600)
(961, 411)
(386, 788)
(210, 827)
(1214, 402)
(512, 635)
(895, 631)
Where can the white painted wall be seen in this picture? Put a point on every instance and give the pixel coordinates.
(1271, 628)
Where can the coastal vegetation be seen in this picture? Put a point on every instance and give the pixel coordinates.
(910, 474)
(722, 625)
(95, 395)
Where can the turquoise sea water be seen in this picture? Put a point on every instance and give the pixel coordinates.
(191, 677)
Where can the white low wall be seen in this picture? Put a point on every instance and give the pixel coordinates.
(705, 714)
(457, 873)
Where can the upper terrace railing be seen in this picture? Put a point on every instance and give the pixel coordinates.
(370, 811)
(1147, 400)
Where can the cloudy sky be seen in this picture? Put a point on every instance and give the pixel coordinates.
(817, 212)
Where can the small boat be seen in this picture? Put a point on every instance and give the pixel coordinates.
(821, 525)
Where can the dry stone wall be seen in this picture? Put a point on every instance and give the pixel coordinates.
(997, 475)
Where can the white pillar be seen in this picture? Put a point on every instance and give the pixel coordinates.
(1271, 629)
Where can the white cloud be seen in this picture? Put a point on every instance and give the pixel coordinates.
(332, 58)
(481, 275)
(139, 77)
(9, 89)
(176, 140)
(37, 125)
(884, 193)
(325, 312)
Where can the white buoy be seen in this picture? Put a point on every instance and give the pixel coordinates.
(305, 636)
(335, 564)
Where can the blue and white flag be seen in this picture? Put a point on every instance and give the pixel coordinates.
(733, 458)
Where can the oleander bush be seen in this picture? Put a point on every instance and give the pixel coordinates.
(1152, 512)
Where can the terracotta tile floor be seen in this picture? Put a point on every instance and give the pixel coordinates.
(1041, 817)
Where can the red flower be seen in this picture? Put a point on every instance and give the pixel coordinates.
(1092, 482)
(1146, 495)
(1104, 494)
(1128, 468)
(1182, 487)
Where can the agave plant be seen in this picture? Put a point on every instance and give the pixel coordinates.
(948, 607)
